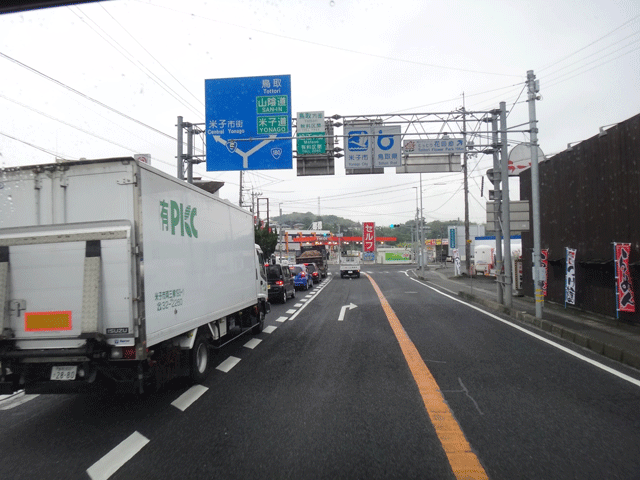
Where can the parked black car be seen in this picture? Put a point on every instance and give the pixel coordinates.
(280, 283)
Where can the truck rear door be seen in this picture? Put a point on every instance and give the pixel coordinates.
(67, 283)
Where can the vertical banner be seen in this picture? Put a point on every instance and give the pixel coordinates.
(369, 237)
(544, 261)
(570, 278)
(456, 262)
(624, 288)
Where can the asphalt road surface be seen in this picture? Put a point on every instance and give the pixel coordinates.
(349, 381)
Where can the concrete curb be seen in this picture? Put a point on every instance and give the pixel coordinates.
(610, 351)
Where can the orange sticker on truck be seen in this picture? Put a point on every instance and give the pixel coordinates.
(47, 321)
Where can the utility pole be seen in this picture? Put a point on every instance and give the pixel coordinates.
(180, 174)
(534, 88)
(498, 210)
(240, 199)
(280, 233)
(417, 240)
(467, 243)
(506, 210)
(190, 153)
(422, 262)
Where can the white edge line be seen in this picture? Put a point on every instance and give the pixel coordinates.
(309, 302)
(599, 365)
(116, 458)
(185, 400)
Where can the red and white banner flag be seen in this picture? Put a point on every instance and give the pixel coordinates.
(544, 260)
(369, 237)
(624, 287)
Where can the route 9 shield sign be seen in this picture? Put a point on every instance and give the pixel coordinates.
(248, 123)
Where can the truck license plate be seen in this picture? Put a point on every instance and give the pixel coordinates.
(64, 372)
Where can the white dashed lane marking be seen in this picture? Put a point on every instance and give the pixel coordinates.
(112, 461)
(290, 311)
(228, 364)
(253, 343)
(185, 400)
(281, 319)
(270, 328)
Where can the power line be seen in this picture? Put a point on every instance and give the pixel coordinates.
(342, 49)
(63, 122)
(589, 69)
(42, 149)
(135, 62)
(588, 45)
(87, 97)
(149, 53)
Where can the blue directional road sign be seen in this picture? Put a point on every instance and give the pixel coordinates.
(247, 119)
(388, 151)
(359, 148)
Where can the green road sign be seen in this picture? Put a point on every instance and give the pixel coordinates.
(311, 146)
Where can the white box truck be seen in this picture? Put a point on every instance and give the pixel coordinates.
(112, 270)
(350, 264)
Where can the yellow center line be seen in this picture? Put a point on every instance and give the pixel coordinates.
(463, 461)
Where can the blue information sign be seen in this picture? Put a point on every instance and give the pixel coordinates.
(246, 120)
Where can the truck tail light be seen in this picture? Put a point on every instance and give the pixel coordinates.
(129, 353)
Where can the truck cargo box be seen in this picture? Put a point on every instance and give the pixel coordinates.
(116, 253)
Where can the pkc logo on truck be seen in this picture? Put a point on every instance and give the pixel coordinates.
(176, 214)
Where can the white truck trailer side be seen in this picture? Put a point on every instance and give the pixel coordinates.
(113, 270)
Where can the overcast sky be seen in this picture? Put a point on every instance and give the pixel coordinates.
(110, 79)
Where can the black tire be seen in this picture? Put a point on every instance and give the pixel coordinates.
(293, 293)
(257, 328)
(284, 296)
(199, 360)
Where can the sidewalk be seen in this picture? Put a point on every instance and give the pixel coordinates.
(607, 336)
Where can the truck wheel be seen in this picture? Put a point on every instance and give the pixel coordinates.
(199, 359)
(257, 328)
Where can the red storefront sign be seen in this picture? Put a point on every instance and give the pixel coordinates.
(369, 237)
